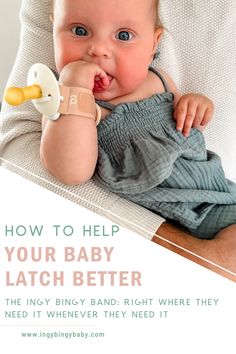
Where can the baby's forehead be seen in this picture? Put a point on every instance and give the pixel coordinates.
(151, 2)
(152, 6)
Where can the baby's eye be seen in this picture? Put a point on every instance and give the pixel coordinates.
(80, 31)
(124, 35)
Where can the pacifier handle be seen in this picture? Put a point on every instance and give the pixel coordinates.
(18, 95)
(42, 89)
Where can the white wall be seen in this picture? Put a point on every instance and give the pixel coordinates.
(9, 38)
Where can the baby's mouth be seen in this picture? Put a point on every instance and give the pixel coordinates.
(99, 86)
(109, 78)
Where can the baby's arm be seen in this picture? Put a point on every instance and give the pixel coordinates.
(69, 148)
(190, 110)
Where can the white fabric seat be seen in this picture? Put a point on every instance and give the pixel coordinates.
(198, 51)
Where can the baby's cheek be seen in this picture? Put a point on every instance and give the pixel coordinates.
(133, 79)
(64, 54)
(61, 60)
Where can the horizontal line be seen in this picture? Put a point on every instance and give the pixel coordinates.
(47, 325)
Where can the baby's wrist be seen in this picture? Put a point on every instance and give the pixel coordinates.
(79, 101)
(83, 84)
(75, 78)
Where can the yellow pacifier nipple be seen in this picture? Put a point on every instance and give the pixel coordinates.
(18, 95)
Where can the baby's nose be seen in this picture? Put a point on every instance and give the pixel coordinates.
(99, 48)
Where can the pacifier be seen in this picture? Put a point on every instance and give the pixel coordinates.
(42, 89)
(51, 98)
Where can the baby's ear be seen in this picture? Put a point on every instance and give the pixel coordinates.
(51, 18)
(157, 37)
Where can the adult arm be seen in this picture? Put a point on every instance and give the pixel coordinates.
(217, 255)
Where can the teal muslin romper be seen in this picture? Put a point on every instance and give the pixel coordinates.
(143, 158)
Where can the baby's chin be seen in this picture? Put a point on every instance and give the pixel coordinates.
(104, 95)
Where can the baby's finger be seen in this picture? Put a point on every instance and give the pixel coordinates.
(180, 114)
(105, 81)
(103, 77)
(199, 116)
(207, 116)
(101, 80)
(191, 113)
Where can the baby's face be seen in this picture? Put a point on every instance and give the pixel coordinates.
(119, 36)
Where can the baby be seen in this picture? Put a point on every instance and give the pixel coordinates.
(144, 148)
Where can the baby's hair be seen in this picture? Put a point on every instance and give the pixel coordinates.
(156, 4)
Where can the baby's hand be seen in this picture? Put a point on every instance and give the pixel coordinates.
(192, 111)
(83, 74)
